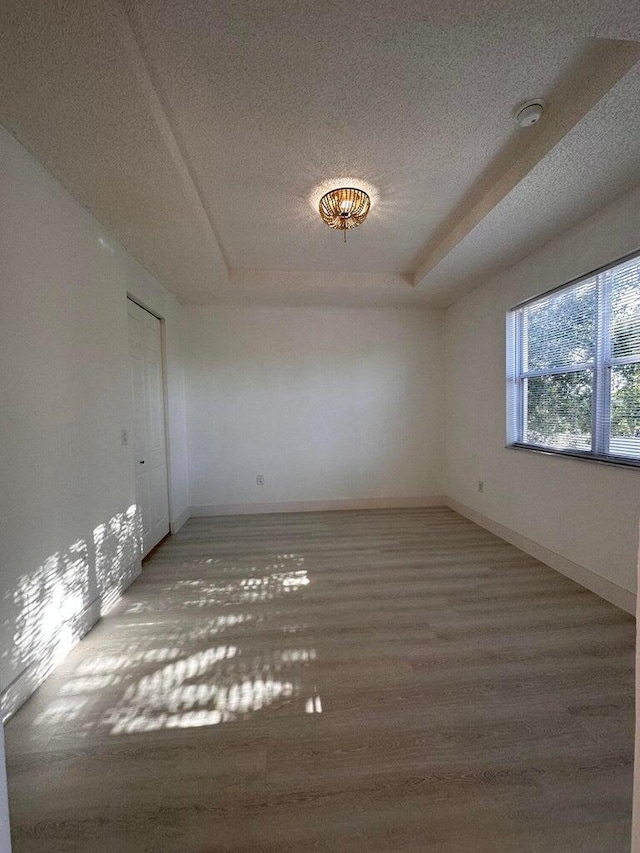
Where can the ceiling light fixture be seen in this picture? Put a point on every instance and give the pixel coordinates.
(344, 208)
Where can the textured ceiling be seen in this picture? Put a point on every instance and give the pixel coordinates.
(202, 134)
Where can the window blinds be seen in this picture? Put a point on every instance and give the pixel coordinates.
(623, 332)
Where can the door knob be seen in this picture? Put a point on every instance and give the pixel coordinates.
(142, 461)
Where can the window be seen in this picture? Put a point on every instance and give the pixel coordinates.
(574, 367)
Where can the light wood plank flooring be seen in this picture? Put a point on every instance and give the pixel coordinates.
(350, 681)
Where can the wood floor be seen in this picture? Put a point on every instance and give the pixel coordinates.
(349, 681)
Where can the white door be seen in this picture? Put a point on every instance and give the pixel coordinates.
(147, 425)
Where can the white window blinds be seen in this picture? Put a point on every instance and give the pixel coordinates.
(574, 367)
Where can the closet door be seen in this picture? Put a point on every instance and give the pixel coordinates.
(147, 425)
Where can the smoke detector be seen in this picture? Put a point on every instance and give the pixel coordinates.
(530, 112)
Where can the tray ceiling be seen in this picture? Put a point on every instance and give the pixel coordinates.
(202, 135)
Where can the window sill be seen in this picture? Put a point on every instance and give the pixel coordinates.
(618, 461)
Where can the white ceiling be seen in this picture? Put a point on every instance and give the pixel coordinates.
(203, 134)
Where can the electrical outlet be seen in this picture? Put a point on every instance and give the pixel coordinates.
(260, 480)
(481, 485)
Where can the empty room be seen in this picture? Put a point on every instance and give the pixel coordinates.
(320, 426)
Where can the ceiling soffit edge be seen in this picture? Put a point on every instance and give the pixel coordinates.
(603, 64)
(124, 24)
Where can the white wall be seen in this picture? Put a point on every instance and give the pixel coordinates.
(635, 826)
(330, 404)
(65, 394)
(580, 511)
(5, 835)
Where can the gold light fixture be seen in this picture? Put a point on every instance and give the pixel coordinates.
(344, 208)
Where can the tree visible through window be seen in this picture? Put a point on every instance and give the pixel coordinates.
(574, 372)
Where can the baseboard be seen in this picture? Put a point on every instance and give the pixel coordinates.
(618, 595)
(178, 522)
(317, 506)
(27, 682)
(24, 685)
(115, 591)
